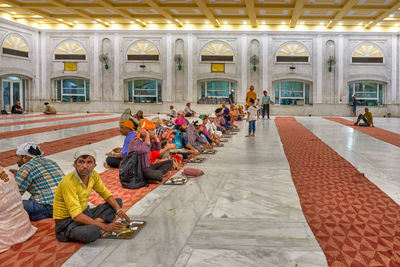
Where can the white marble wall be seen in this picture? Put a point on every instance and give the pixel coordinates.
(329, 90)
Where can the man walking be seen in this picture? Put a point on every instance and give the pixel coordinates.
(265, 101)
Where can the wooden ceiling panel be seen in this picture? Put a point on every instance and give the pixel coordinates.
(214, 12)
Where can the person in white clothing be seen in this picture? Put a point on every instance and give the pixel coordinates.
(211, 127)
(251, 118)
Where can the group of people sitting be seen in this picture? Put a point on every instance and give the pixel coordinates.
(162, 144)
(48, 110)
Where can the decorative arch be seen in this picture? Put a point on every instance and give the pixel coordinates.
(367, 53)
(14, 44)
(292, 52)
(70, 50)
(216, 51)
(143, 50)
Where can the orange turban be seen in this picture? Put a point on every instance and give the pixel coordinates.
(128, 124)
(146, 124)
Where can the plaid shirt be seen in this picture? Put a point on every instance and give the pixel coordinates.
(159, 130)
(40, 177)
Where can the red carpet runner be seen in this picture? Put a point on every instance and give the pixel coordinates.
(378, 133)
(53, 128)
(50, 119)
(8, 158)
(355, 223)
(43, 249)
(13, 116)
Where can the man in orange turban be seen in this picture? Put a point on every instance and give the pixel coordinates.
(117, 154)
(145, 142)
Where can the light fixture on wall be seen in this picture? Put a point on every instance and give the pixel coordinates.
(178, 60)
(105, 59)
(254, 60)
(331, 62)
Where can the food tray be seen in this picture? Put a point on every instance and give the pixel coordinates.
(196, 160)
(176, 181)
(219, 145)
(208, 151)
(223, 140)
(128, 232)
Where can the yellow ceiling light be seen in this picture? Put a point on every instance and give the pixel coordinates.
(225, 22)
(244, 22)
(340, 23)
(263, 22)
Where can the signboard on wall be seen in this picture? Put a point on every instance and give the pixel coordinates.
(70, 66)
(217, 67)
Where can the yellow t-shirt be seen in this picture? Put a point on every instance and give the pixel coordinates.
(71, 197)
(250, 94)
(368, 117)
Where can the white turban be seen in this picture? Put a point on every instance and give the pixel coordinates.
(85, 152)
(29, 149)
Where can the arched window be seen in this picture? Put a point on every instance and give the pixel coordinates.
(367, 53)
(292, 52)
(216, 51)
(143, 50)
(70, 50)
(15, 45)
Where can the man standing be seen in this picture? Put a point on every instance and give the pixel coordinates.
(250, 95)
(16, 108)
(366, 117)
(265, 103)
(50, 109)
(40, 177)
(354, 105)
(231, 100)
(75, 221)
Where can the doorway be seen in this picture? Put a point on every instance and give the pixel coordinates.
(12, 92)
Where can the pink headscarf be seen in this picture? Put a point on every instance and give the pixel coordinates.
(180, 121)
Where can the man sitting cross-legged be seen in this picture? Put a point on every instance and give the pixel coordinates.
(40, 177)
(74, 220)
(115, 157)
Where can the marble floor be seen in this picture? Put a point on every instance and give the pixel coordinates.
(243, 212)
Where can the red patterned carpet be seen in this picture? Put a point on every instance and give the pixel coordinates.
(11, 134)
(355, 223)
(50, 119)
(8, 158)
(43, 249)
(378, 133)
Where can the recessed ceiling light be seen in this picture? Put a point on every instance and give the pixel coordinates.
(321, 23)
(169, 22)
(225, 22)
(391, 16)
(112, 21)
(397, 25)
(302, 22)
(283, 23)
(187, 22)
(76, 21)
(340, 23)
(244, 22)
(12, 12)
(94, 21)
(40, 21)
(150, 21)
(206, 22)
(379, 24)
(360, 24)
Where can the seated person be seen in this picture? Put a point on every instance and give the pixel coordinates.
(220, 121)
(167, 122)
(16, 108)
(159, 127)
(205, 134)
(146, 141)
(172, 112)
(164, 154)
(366, 117)
(188, 111)
(138, 116)
(114, 158)
(75, 221)
(180, 140)
(40, 177)
(15, 225)
(50, 109)
(212, 128)
(127, 115)
(193, 137)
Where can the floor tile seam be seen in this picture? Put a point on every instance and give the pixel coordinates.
(51, 120)
(53, 128)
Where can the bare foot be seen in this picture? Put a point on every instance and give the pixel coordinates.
(248, 135)
(253, 135)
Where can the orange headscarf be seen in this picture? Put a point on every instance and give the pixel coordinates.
(146, 124)
(128, 124)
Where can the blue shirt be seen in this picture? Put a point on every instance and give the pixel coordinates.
(127, 140)
(179, 140)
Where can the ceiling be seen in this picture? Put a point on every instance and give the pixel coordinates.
(253, 14)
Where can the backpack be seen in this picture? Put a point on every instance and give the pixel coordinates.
(4, 112)
(130, 172)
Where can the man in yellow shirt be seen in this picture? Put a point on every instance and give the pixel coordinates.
(366, 117)
(250, 95)
(50, 109)
(75, 221)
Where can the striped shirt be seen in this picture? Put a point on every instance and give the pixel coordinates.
(40, 177)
